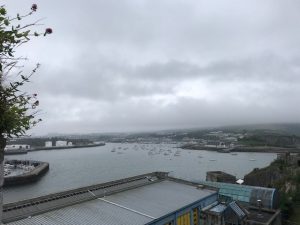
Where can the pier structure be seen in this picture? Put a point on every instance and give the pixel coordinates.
(17, 172)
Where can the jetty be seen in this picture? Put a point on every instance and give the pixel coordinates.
(17, 172)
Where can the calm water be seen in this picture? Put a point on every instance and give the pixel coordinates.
(74, 168)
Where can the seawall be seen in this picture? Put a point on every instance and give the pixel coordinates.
(40, 169)
(65, 147)
(15, 152)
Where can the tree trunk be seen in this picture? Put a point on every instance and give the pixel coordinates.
(2, 146)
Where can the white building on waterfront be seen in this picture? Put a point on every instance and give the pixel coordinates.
(48, 144)
(61, 143)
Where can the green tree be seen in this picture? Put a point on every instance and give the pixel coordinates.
(17, 108)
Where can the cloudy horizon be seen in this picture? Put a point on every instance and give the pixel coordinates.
(138, 65)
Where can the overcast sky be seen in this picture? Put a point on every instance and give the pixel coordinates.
(136, 65)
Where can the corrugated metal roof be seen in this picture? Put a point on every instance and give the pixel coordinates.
(135, 206)
(94, 212)
(239, 212)
(43, 204)
(160, 198)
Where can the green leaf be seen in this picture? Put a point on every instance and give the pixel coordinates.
(6, 22)
(2, 11)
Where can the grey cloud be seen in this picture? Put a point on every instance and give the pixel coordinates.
(141, 64)
(184, 114)
(108, 81)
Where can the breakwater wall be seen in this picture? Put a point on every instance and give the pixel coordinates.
(65, 147)
(15, 152)
(27, 177)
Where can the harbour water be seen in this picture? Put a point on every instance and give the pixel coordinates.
(72, 168)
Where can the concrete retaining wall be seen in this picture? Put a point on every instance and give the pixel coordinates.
(65, 147)
(40, 169)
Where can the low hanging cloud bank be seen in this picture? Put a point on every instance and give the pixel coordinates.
(146, 65)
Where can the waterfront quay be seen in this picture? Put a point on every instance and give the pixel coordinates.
(65, 147)
(32, 149)
(18, 172)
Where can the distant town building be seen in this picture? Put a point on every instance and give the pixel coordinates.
(16, 147)
(215, 144)
(231, 139)
(70, 143)
(61, 143)
(48, 144)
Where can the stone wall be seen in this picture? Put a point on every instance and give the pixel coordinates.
(40, 169)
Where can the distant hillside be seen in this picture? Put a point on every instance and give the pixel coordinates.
(283, 128)
(193, 133)
(276, 140)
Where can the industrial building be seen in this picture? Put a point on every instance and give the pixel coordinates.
(48, 144)
(61, 143)
(245, 194)
(150, 199)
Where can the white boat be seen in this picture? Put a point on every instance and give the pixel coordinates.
(252, 159)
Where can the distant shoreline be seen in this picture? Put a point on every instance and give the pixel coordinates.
(263, 149)
(25, 151)
(64, 147)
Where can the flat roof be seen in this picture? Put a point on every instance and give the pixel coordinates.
(218, 208)
(135, 206)
(262, 216)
